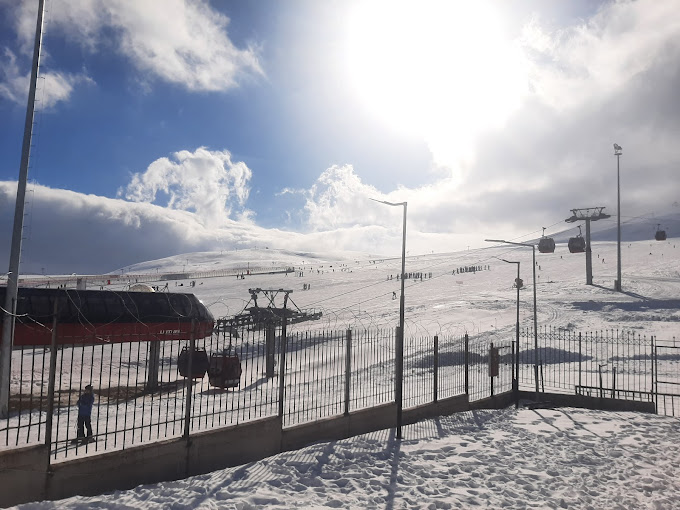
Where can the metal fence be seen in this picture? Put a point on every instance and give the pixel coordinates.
(605, 364)
(142, 396)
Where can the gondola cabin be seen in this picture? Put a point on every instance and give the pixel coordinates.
(195, 368)
(224, 370)
(577, 244)
(546, 244)
(660, 235)
(92, 317)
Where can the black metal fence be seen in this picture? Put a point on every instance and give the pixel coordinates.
(606, 364)
(142, 394)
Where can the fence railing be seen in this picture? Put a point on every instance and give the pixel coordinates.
(142, 396)
(602, 363)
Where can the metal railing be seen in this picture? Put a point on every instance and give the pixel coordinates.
(141, 395)
(604, 364)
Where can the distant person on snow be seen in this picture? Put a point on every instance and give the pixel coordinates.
(85, 403)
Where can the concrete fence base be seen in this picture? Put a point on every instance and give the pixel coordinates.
(27, 473)
(582, 401)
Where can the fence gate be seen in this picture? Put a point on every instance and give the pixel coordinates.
(667, 378)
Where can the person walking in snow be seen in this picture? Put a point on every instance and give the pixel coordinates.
(85, 403)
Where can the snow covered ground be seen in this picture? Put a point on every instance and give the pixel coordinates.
(354, 290)
(541, 458)
(564, 458)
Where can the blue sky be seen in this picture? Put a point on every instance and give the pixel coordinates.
(192, 125)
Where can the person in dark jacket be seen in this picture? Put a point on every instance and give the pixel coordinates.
(85, 403)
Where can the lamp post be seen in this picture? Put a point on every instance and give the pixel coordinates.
(533, 248)
(617, 152)
(9, 310)
(399, 347)
(516, 381)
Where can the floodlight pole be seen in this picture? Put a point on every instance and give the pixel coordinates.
(617, 152)
(399, 344)
(15, 250)
(533, 250)
(516, 381)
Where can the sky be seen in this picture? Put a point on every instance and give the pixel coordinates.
(182, 126)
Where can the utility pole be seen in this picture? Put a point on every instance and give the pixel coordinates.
(15, 251)
(399, 343)
(588, 214)
(617, 152)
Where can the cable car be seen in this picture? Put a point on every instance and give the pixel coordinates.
(199, 365)
(660, 235)
(224, 370)
(577, 244)
(546, 244)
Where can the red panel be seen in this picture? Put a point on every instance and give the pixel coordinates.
(93, 334)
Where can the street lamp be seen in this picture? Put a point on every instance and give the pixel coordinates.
(516, 381)
(617, 152)
(399, 347)
(533, 248)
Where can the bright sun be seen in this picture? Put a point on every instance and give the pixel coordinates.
(439, 70)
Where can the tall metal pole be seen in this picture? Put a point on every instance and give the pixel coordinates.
(515, 383)
(617, 152)
(517, 345)
(589, 255)
(533, 251)
(15, 251)
(400, 339)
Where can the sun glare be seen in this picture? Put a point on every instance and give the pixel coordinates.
(440, 70)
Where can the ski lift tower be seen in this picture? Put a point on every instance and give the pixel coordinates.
(588, 214)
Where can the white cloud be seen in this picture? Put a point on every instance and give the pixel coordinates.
(184, 42)
(13, 85)
(205, 182)
(339, 201)
(51, 89)
(71, 232)
(177, 41)
(588, 62)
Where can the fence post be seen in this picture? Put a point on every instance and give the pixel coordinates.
(490, 367)
(190, 380)
(515, 372)
(654, 390)
(51, 383)
(467, 364)
(399, 377)
(599, 369)
(348, 368)
(580, 357)
(154, 363)
(436, 365)
(282, 368)
(270, 339)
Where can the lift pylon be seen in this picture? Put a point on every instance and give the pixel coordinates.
(588, 214)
